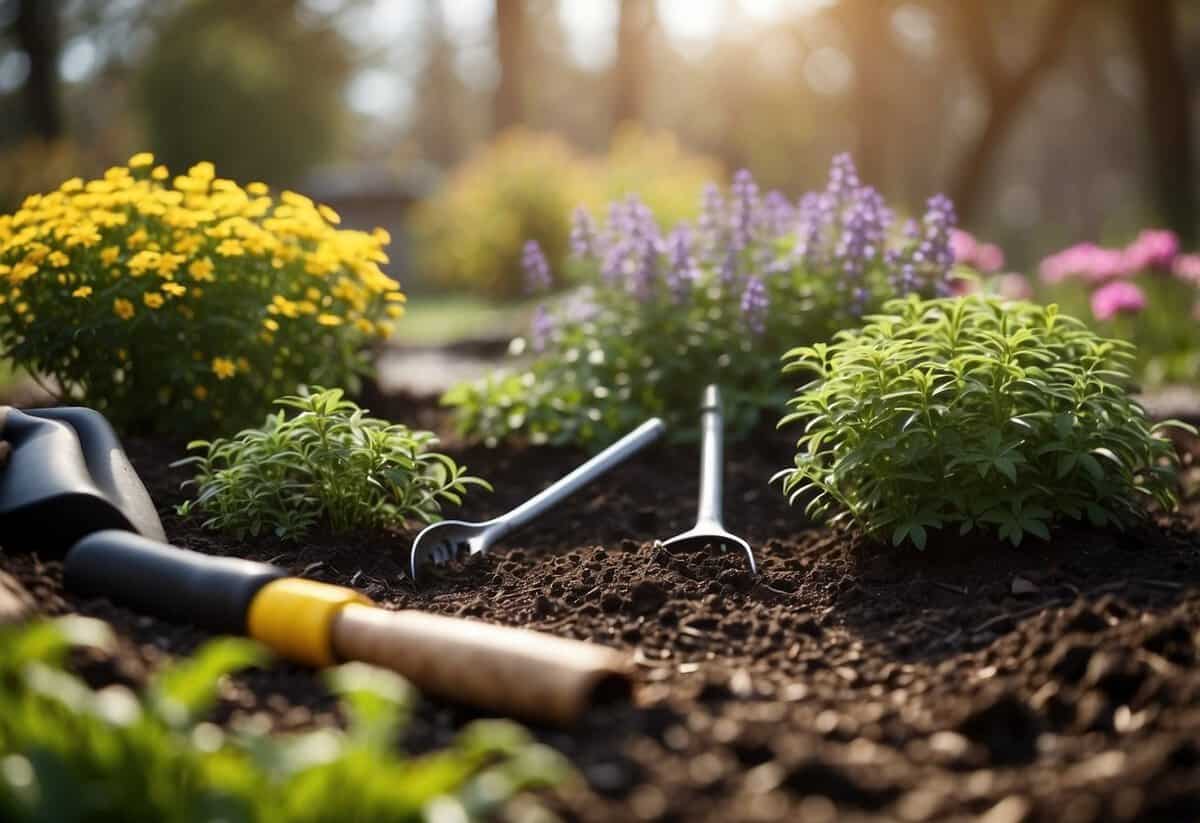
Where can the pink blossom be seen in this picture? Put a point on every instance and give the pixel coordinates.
(1118, 297)
(1014, 286)
(1153, 249)
(987, 258)
(1088, 261)
(960, 286)
(1187, 267)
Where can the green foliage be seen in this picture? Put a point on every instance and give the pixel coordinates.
(255, 87)
(69, 753)
(329, 462)
(977, 414)
(523, 186)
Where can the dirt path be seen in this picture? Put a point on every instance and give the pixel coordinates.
(1056, 682)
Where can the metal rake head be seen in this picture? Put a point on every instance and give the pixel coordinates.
(439, 543)
(700, 537)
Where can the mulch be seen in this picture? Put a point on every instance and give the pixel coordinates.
(849, 681)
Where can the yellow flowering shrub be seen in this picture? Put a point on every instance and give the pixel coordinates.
(181, 304)
(523, 187)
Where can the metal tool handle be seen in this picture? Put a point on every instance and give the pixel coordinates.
(711, 457)
(624, 448)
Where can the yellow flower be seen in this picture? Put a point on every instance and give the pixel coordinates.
(21, 308)
(174, 289)
(223, 368)
(199, 392)
(395, 311)
(160, 173)
(141, 159)
(152, 299)
(271, 325)
(123, 308)
(329, 320)
(395, 297)
(82, 291)
(109, 255)
(138, 238)
(230, 248)
(203, 171)
(202, 270)
(329, 214)
(257, 189)
(57, 259)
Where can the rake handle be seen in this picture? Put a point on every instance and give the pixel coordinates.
(572, 482)
(712, 456)
(502, 669)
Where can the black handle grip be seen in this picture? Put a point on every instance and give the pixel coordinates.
(172, 583)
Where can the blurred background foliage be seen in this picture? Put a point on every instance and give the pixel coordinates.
(1047, 121)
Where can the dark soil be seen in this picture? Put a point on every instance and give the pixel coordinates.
(1057, 682)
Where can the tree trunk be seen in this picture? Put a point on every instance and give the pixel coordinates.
(37, 34)
(867, 28)
(1006, 91)
(632, 64)
(510, 51)
(1166, 98)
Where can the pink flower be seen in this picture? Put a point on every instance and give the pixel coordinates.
(987, 258)
(963, 244)
(1088, 261)
(1187, 267)
(1014, 286)
(1119, 297)
(1153, 249)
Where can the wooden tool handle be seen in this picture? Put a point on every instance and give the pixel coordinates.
(515, 672)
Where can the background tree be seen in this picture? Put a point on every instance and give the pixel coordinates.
(36, 27)
(632, 66)
(509, 105)
(247, 85)
(1168, 111)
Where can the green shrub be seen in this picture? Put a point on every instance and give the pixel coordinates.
(71, 754)
(664, 313)
(186, 305)
(523, 186)
(976, 414)
(328, 463)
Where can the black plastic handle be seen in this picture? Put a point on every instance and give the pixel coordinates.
(175, 584)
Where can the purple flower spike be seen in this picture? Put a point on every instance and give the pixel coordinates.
(537, 270)
(755, 304)
(541, 328)
(683, 269)
(745, 209)
(583, 234)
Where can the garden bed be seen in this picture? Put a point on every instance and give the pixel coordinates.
(1059, 681)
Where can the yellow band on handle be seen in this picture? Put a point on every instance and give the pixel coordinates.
(294, 617)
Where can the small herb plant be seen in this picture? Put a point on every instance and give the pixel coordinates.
(663, 312)
(70, 753)
(975, 414)
(186, 304)
(328, 462)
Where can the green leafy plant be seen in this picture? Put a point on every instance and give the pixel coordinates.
(183, 305)
(70, 753)
(328, 462)
(973, 413)
(664, 312)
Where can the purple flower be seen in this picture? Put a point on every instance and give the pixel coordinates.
(583, 234)
(843, 176)
(745, 209)
(778, 214)
(537, 270)
(683, 271)
(542, 327)
(710, 223)
(1187, 267)
(755, 304)
(1117, 297)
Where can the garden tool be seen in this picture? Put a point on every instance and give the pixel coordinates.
(708, 530)
(69, 489)
(444, 541)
